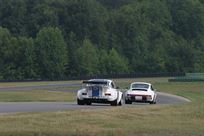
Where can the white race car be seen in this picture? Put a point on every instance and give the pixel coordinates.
(140, 92)
(99, 91)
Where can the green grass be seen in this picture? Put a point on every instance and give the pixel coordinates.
(36, 95)
(190, 90)
(149, 120)
(52, 94)
(13, 84)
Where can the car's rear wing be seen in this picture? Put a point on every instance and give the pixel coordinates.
(95, 82)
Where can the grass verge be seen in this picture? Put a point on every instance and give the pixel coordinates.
(36, 96)
(16, 84)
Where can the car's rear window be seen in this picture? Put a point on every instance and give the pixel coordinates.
(140, 86)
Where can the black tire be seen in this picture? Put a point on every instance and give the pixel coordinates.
(114, 103)
(153, 102)
(88, 103)
(128, 102)
(80, 102)
(121, 101)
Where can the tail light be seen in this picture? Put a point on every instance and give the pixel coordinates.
(128, 95)
(107, 94)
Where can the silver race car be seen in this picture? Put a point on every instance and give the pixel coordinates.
(140, 92)
(99, 91)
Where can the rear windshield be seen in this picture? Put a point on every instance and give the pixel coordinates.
(140, 86)
(96, 82)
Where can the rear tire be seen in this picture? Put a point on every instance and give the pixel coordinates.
(114, 103)
(153, 102)
(121, 101)
(128, 102)
(80, 102)
(88, 103)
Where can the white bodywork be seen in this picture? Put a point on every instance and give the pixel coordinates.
(99, 91)
(140, 92)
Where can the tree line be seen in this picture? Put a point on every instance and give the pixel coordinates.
(56, 39)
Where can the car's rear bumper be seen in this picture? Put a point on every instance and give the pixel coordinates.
(97, 100)
(143, 100)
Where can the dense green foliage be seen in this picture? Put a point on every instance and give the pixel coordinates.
(55, 39)
(51, 53)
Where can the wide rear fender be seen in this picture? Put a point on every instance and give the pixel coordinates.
(120, 96)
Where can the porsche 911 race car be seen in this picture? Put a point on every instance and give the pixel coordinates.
(140, 92)
(99, 91)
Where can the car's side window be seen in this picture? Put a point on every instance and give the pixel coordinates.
(152, 88)
(112, 85)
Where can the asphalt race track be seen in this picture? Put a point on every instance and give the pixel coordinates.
(12, 107)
